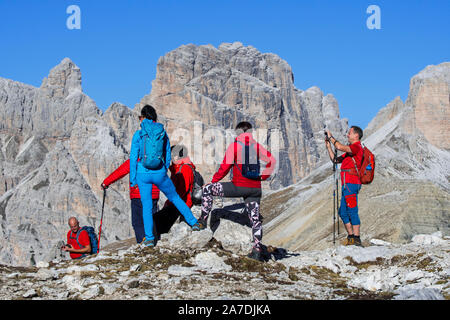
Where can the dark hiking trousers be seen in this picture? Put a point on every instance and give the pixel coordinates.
(165, 219)
(137, 221)
(252, 199)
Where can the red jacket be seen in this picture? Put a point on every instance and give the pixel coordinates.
(182, 179)
(233, 159)
(121, 172)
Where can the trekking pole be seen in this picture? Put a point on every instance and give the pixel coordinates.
(334, 197)
(337, 188)
(101, 219)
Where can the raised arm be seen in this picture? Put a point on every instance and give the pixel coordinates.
(338, 145)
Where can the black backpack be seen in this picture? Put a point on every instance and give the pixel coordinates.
(250, 162)
(197, 191)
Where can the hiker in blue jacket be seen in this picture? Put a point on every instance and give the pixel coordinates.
(156, 155)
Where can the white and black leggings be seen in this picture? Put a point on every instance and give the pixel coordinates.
(252, 198)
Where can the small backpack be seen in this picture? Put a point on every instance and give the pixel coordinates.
(250, 161)
(152, 148)
(196, 191)
(367, 171)
(92, 238)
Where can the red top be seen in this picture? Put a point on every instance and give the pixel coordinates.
(183, 179)
(347, 163)
(233, 158)
(83, 239)
(121, 172)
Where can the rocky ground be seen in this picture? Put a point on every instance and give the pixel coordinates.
(195, 265)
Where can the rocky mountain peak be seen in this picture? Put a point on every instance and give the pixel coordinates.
(63, 78)
(220, 87)
(429, 97)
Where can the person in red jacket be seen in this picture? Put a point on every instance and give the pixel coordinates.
(136, 206)
(182, 176)
(78, 245)
(351, 183)
(240, 186)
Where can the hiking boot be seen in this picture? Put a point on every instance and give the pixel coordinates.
(149, 243)
(199, 225)
(357, 241)
(256, 255)
(350, 241)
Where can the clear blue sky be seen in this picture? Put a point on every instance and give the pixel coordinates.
(327, 43)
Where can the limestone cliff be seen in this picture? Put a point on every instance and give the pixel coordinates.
(219, 87)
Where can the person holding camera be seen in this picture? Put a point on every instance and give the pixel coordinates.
(78, 242)
(351, 183)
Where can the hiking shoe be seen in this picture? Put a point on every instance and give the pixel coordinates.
(357, 242)
(256, 255)
(199, 225)
(350, 241)
(149, 243)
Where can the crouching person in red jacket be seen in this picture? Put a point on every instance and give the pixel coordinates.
(136, 206)
(182, 176)
(249, 189)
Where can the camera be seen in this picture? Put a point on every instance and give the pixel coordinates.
(66, 245)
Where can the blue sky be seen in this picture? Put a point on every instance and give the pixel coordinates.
(327, 43)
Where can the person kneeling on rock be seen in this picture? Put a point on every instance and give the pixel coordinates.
(243, 156)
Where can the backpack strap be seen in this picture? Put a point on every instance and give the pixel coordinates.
(78, 234)
(363, 147)
(356, 167)
(243, 146)
(185, 164)
(192, 168)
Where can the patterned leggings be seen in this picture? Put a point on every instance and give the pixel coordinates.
(251, 197)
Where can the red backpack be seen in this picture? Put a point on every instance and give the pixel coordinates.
(367, 170)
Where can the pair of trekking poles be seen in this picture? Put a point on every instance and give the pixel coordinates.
(335, 197)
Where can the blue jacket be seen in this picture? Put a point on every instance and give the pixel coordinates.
(135, 166)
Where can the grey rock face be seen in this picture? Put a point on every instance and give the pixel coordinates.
(48, 111)
(220, 87)
(55, 150)
(123, 121)
(56, 146)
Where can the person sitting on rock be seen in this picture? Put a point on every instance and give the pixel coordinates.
(136, 205)
(182, 176)
(351, 183)
(240, 186)
(78, 242)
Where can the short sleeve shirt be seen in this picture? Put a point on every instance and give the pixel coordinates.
(347, 163)
(83, 239)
